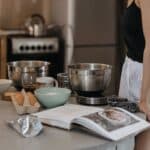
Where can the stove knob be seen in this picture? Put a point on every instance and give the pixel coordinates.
(39, 47)
(27, 47)
(44, 47)
(33, 47)
(21, 48)
(50, 47)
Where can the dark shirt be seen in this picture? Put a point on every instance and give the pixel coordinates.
(133, 32)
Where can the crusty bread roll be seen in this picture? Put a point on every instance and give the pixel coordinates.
(19, 98)
(32, 98)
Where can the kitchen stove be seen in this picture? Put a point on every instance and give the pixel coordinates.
(45, 48)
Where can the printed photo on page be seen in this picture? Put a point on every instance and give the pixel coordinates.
(112, 118)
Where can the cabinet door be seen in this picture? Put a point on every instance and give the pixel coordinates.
(3, 61)
(95, 22)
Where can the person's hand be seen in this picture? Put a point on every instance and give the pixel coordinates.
(145, 109)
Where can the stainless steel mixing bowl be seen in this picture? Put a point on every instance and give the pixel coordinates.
(19, 70)
(91, 78)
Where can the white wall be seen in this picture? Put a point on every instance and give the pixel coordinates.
(63, 15)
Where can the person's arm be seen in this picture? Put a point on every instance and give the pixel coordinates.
(145, 12)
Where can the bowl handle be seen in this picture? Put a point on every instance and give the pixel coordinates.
(55, 83)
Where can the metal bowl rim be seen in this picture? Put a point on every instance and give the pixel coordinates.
(17, 63)
(89, 64)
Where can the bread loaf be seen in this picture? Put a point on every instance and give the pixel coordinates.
(19, 98)
(32, 98)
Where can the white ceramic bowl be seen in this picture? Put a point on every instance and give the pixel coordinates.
(51, 97)
(46, 82)
(4, 85)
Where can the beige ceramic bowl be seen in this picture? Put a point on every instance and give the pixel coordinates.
(4, 85)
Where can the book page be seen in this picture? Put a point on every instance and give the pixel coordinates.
(112, 119)
(113, 123)
(62, 116)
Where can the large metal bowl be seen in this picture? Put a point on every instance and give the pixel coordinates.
(17, 70)
(89, 78)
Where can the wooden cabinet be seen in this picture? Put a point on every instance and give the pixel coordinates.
(13, 13)
(3, 57)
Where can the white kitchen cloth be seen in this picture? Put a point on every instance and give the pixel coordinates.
(131, 79)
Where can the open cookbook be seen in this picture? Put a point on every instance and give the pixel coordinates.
(112, 123)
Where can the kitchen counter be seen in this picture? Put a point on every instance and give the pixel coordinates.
(54, 138)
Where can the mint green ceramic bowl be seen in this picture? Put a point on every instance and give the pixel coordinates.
(50, 97)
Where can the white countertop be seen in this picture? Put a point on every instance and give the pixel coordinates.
(53, 138)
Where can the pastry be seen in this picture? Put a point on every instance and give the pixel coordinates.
(19, 98)
(32, 98)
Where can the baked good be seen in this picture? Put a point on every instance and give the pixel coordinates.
(19, 98)
(32, 98)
